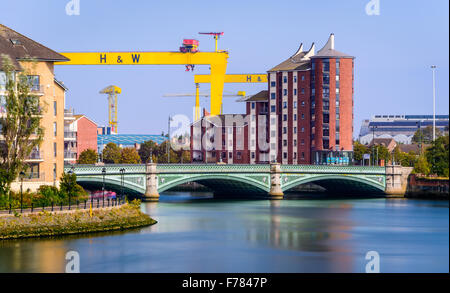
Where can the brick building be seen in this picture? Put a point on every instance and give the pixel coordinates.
(304, 117)
(80, 134)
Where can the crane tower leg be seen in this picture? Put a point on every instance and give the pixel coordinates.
(197, 102)
(218, 71)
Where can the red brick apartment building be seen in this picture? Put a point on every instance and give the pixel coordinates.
(304, 117)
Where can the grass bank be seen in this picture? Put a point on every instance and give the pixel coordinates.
(46, 224)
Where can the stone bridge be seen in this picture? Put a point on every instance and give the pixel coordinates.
(233, 180)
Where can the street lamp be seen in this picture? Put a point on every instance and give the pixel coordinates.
(122, 174)
(70, 189)
(433, 68)
(103, 187)
(22, 174)
(373, 143)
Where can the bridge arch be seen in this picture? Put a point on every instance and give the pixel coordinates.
(221, 184)
(112, 184)
(340, 184)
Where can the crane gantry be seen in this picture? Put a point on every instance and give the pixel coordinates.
(112, 91)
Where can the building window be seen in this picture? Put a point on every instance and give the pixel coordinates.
(313, 91)
(295, 78)
(54, 171)
(239, 155)
(326, 65)
(303, 155)
(273, 133)
(303, 77)
(285, 142)
(303, 116)
(295, 92)
(295, 156)
(285, 92)
(230, 155)
(253, 105)
(273, 84)
(295, 117)
(54, 128)
(326, 144)
(33, 82)
(303, 90)
(295, 129)
(273, 146)
(303, 129)
(302, 142)
(326, 131)
(253, 155)
(295, 142)
(54, 149)
(326, 93)
(303, 103)
(326, 118)
(284, 130)
(54, 108)
(284, 155)
(337, 77)
(326, 105)
(284, 117)
(272, 121)
(337, 90)
(272, 109)
(313, 66)
(272, 96)
(285, 79)
(284, 105)
(295, 105)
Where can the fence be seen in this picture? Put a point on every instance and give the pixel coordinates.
(83, 205)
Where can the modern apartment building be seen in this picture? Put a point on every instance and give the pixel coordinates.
(306, 114)
(46, 163)
(80, 134)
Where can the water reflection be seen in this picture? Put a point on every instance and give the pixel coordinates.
(201, 234)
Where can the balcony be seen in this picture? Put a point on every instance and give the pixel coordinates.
(36, 155)
(70, 135)
(70, 155)
(33, 177)
(37, 89)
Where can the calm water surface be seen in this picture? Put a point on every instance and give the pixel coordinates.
(199, 234)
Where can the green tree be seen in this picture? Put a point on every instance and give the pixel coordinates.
(20, 126)
(422, 166)
(359, 150)
(129, 156)
(68, 186)
(111, 154)
(382, 153)
(425, 135)
(88, 157)
(438, 156)
(147, 148)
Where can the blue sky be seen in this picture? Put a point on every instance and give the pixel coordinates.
(393, 50)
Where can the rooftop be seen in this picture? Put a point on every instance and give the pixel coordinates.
(261, 96)
(19, 47)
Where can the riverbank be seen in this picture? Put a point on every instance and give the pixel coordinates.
(45, 224)
(427, 187)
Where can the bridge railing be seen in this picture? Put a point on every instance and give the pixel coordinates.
(333, 169)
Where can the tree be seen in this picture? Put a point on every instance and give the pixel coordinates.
(68, 186)
(425, 135)
(382, 153)
(421, 166)
(147, 148)
(129, 156)
(437, 156)
(88, 157)
(20, 127)
(405, 159)
(111, 154)
(359, 150)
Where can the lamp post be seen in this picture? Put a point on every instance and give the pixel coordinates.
(103, 187)
(373, 143)
(420, 137)
(433, 68)
(70, 189)
(22, 174)
(122, 174)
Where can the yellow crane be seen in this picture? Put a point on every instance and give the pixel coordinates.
(197, 96)
(112, 91)
(216, 60)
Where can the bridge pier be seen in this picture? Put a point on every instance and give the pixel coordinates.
(275, 182)
(397, 179)
(151, 188)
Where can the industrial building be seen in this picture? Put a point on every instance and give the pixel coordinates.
(399, 127)
(304, 117)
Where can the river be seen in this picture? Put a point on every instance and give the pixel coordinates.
(196, 233)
